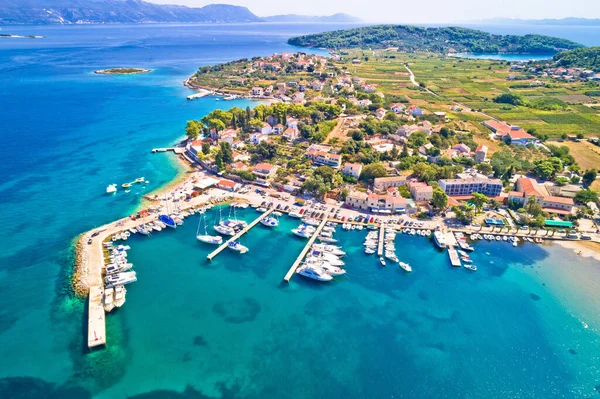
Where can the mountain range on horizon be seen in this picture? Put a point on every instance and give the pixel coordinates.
(568, 21)
(138, 11)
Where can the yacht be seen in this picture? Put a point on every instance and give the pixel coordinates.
(168, 221)
(109, 303)
(440, 239)
(332, 249)
(315, 274)
(132, 230)
(207, 238)
(310, 221)
(370, 251)
(117, 267)
(111, 189)
(225, 230)
(120, 279)
(328, 240)
(142, 229)
(120, 292)
(470, 267)
(236, 246)
(405, 266)
(269, 221)
(295, 214)
(304, 231)
(331, 270)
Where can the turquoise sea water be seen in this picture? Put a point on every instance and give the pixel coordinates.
(230, 328)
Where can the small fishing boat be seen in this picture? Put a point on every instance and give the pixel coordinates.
(405, 266)
(126, 185)
(470, 267)
(109, 303)
(120, 292)
(139, 180)
(236, 246)
(382, 261)
(111, 189)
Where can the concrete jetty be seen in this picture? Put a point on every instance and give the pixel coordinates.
(238, 235)
(300, 257)
(96, 318)
(380, 242)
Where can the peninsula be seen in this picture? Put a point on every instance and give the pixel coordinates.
(444, 40)
(394, 138)
(122, 71)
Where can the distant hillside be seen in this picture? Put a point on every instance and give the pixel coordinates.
(115, 11)
(340, 17)
(449, 39)
(587, 58)
(557, 22)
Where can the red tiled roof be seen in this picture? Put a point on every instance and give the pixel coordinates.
(559, 200)
(519, 134)
(227, 183)
(263, 166)
(501, 128)
(528, 187)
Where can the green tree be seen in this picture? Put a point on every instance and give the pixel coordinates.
(561, 181)
(439, 200)
(484, 168)
(219, 161)
(585, 196)
(226, 152)
(533, 208)
(205, 148)
(372, 171)
(479, 200)
(192, 129)
(589, 177)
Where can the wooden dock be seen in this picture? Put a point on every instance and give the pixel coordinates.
(380, 242)
(300, 257)
(96, 318)
(238, 235)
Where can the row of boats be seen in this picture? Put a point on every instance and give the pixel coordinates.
(323, 261)
(371, 244)
(117, 274)
(510, 239)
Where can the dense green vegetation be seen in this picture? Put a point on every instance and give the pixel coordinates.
(414, 38)
(588, 58)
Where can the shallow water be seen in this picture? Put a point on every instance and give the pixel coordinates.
(230, 328)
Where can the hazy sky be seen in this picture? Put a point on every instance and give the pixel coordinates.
(415, 11)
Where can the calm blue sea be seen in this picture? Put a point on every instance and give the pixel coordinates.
(192, 329)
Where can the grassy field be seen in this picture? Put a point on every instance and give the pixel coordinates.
(586, 154)
(475, 83)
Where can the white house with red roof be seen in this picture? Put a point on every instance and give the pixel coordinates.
(256, 138)
(397, 107)
(480, 153)
(518, 136)
(291, 122)
(290, 134)
(414, 110)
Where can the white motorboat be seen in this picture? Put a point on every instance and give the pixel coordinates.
(382, 261)
(440, 239)
(405, 266)
(311, 221)
(109, 303)
(120, 279)
(261, 210)
(236, 246)
(295, 215)
(118, 266)
(370, 251)
(270, 221)
(470, 267)
(133, 231)
(314, 273)
(304, 231)
(142, 229)
(327, 239)
(331, 270)
(329, 248)
(120, 292)
(111, 189)
(228, 231)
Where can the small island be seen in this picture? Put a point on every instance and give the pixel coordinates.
(122, 71)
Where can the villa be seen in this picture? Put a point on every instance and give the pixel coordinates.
(352, 169)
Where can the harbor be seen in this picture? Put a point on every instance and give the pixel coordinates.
(92, 257)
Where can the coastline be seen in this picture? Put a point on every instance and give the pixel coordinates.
(586, 249)
(122, 71)
(205, 90)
